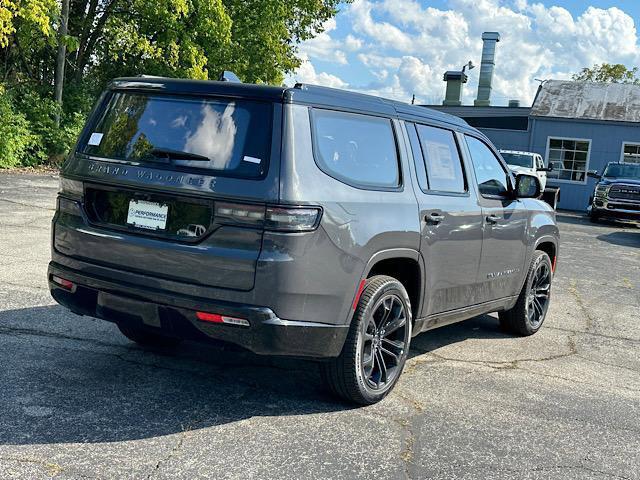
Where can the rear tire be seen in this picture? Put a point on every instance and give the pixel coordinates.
(146, 338)
(529, 312)
(377, 344)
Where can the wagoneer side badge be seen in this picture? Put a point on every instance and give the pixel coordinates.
(505, 273)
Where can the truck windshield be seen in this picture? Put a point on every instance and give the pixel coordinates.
(623, 170)
(230, 136)
(518, 159)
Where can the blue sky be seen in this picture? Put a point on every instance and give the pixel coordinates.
(397, 48)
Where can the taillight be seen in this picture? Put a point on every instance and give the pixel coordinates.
(64, 283)
(217, 318)
(239, 214)
(292, 219)
(279, 219)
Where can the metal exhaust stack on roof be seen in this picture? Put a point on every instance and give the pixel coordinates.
(454, 80)
(486, 68)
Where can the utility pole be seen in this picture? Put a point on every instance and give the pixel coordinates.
(62, 53)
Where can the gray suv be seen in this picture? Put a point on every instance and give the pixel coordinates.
(304, 221)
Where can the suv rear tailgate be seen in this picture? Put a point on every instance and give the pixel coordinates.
(224, 256)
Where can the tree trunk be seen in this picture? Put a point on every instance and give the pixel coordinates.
(62, 54)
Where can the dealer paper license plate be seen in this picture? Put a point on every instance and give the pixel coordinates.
(149, 215)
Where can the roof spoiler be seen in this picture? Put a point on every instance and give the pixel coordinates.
(228, 76)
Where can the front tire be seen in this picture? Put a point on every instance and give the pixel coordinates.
(377, 344)
(146, 338)
(529, 312)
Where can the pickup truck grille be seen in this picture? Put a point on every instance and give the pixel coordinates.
(625, 192)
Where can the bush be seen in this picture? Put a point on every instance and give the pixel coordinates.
(16, 139)
(29, 135)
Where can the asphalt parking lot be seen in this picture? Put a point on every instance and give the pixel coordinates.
(78, 400)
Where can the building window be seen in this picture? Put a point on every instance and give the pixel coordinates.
(631, 152)
(570, 159)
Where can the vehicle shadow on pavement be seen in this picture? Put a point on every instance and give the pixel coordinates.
(624, 239)
(482, 327)
(580, 218)
(70, 379)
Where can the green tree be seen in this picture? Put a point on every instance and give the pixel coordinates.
(608, 73)
(257, 39)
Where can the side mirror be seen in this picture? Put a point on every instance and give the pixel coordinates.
(549, 168)
(527, 186)
(594, 174)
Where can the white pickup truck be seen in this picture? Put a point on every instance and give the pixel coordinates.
(532, 164)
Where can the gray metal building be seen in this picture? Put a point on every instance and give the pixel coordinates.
(576, 126)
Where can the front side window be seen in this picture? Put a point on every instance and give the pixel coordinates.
(569, 159)
(356, 149)
(631, 152)
(491, 177)
(231, 136)
(441, 159)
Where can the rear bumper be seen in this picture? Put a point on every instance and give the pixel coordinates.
(175, 315)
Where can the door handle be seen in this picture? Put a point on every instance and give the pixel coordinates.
(434, 218)
(492, 219)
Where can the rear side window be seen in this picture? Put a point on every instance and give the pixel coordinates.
(359, 150)
(441, 159)
(230, 136)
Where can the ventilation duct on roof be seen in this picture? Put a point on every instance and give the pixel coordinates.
(454, 80)
(490, 40)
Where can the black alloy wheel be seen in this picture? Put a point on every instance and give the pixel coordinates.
(377, 345)
(538, 298)
(384, 342)
(528, 314)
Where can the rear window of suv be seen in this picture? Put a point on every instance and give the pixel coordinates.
(232, 137)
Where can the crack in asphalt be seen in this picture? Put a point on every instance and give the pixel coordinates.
(512, 364)
(11, 284)
(16, 331)
(52, 209)
(565, 467)
(600, 362)
(595, 334)
(53, 469)
(173, 452)
(573, 289)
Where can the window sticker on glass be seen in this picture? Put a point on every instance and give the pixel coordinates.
(249, 159)
(442, 161)
(95, 138)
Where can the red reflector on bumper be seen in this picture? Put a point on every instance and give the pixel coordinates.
(216, 318)
(63, 282)
(209, 317)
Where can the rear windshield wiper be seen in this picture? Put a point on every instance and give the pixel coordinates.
(177, 155)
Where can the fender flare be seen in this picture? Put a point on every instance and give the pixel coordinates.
(388, 254)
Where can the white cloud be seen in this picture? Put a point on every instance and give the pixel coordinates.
(406, 47)
(352, 43)
(324, 47)
(306, 73)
